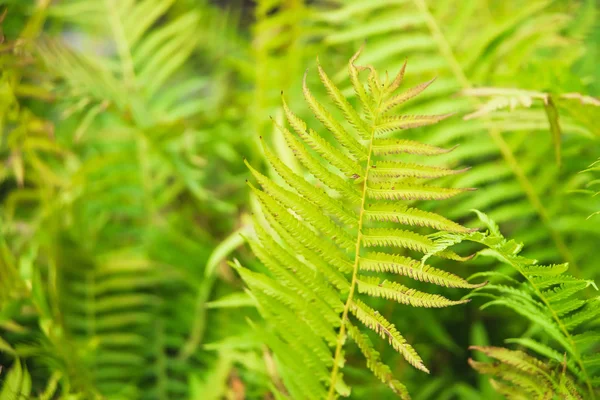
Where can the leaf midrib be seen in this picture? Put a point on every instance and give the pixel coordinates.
(359, 236)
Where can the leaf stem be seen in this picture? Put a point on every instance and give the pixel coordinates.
(342, 333)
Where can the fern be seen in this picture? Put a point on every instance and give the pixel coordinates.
(314, 237)
(516, 185)
(517, 375)
(550, 299)
(98, 238)
(123, 126)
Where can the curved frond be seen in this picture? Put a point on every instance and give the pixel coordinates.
(524, 376)
(319, 230)
(547, 297)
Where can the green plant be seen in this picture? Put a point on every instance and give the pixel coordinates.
(533, 48)
(520, 376)
(124, 126)
(564, 320)
(324, 233)
(108, 292)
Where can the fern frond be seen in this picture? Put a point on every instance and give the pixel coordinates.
(313, 165)
(409, 94)
(392, 124)
(330, 252)
(312, 257)
(393, 212)
(390, 169)
(382, 237)
(400, 293)
(403, 191)
(340, 134)
(539, 348)
(306, 275)
(517, 175)
(303, 207)
(380, 370)
(525, 376)
(384, 262)
(546, 270)
(547, 297)
(147, 59)
(376, 322)
(17, 383)
(383, 147)
(285, 274)
(321, 146)
(312, 242)
(340, 100)
(314, 194)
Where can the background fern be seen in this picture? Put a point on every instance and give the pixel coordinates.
(127, 308)
(552, 301)
(560, 315)
(125, 126)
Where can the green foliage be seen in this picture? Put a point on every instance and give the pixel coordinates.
(525, 48)
(314, 240)
(108, 287)
(521, 376)
(124, 126)
(553, 301)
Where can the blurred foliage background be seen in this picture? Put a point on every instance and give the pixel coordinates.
(124, 129)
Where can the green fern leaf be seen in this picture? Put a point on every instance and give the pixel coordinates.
(390, 169)
(400, 191)
(588, 312)
(376, 322)
(314, 166)
(539, 348)
(380, 370)
(549, 298)
(403, 97)
(349, 112)
(382, 147)
(340, 134)
(304, 207)
(546, 270)
(382, 237)
(397, 292)
(525, 375)
(392, 124)
(311, 193)
(383, 262)
(321, 146)
(393, 212)
(530, 386)
(312, 241)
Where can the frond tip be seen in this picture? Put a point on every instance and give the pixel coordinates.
(313, 237)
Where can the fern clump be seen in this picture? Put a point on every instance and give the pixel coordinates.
(517, 375)
(326, 245)
(564, 318)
